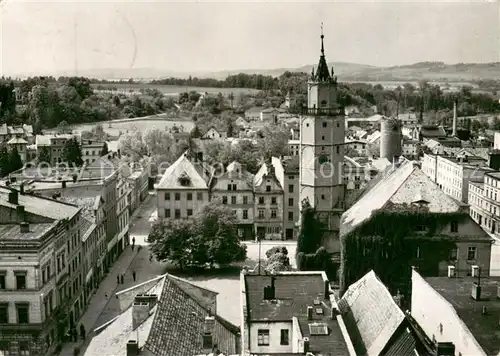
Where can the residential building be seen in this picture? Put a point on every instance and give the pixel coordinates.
(461, 311)
(21, 145)
(271, 115)
(405, 189)
(453, 173)
(408, 118)
(24, 132)
(377, 325)
(91, 150)
(54, 144)
(287, 173)
(268, 216)
(214, 134)
(184, 188)
(166, 316)
(357, 174)
(322, 136)
(253, 114)
(40, 272)
(291, 313)
(410, 148)
(234, 188)
(294, 147)
(138, 188)
(426, 132)
(356, 147)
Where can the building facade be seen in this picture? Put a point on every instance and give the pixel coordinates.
(234, 188)
(322, 148)
(287, 173)
(453, 174)
(41, 287)
(268, 203)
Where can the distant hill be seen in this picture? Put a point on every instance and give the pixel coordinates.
(435, 71)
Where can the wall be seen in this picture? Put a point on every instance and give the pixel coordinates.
(431, 310)
(274, 337)
(271, 224)
(183, 204)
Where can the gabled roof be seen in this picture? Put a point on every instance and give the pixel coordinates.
(370, 314)
(264, 173)
(198, 174)
(236, 170)
(175, 325)
(18, 141)
(398, 186)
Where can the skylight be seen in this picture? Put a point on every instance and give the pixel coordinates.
(318, 329)
(319, 311)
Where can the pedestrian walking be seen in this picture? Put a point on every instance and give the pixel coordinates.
(122, 278)
(133, 275)
(118, 279)
(133, 243)
(82, 331)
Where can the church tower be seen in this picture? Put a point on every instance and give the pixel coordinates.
(322, 135)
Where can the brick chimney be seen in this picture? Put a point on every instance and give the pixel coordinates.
(454, 133)
(13, 197)
(24, 227)
(309, 313)
(132, 348)
(143, 303)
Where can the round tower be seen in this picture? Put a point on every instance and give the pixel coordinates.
(390, 138)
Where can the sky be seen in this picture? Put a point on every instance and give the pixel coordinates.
(50, 36)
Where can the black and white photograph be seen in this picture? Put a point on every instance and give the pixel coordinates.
(249, 178)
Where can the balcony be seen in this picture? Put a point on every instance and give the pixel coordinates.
(337, 111)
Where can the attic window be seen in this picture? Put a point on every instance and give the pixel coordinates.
(318, 329)
(184, 180)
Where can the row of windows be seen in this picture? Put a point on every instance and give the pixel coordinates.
(189, 212)
(22, 313)
(189, 196)
(20, 280)
(264, 339)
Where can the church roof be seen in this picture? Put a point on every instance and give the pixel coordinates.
(322, 73)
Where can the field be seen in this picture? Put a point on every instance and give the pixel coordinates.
(114, 128)
(172, 89)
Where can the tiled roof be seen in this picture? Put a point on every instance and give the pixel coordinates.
(197, 174)
(294, 292)
(86, 228)
(404, 345)
(179, 325)
(45, 207)
(86, 203)
(112, 340)
(12, 232)
(396, 187)
(370, 314)
(16, 140)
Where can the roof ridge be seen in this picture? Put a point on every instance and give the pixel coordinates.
(394, 169)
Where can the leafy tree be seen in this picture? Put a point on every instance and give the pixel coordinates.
(207, 239)
(15, 161)
(132, 144)
(196, 133)
(44, 154)
(274, 141)
(105, 149)
(63, 127)
(311, 230)
(158, 142)
(72, 153)
(277, 260)
(4, 161)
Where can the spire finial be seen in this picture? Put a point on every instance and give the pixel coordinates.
(322, 36)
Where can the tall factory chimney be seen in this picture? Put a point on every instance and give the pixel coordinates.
(454, 134)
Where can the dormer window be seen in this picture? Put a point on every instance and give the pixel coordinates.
(184, 181)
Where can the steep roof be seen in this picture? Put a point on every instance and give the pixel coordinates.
(197, 175)
(371, 315)
(398, 186)
(16, 140)
(265, 171)
(174, 327)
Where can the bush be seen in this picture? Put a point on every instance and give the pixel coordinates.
(276, 249)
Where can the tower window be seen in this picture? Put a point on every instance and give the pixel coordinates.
(322, 137)
(324, 124)
(307, 125)
(338, 124)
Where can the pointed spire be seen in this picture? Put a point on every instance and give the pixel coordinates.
(322, 37)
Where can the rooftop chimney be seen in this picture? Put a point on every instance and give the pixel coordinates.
(13, 197)
(454, 133)
(306, 345)
(475, 271)
(445, 349)
(132, 348)
(309, 313)
(24, 227)
(20, 213)
(21, 188)
(476, 291)
(327, 290)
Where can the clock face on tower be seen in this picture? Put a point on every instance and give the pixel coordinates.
(322, 158)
